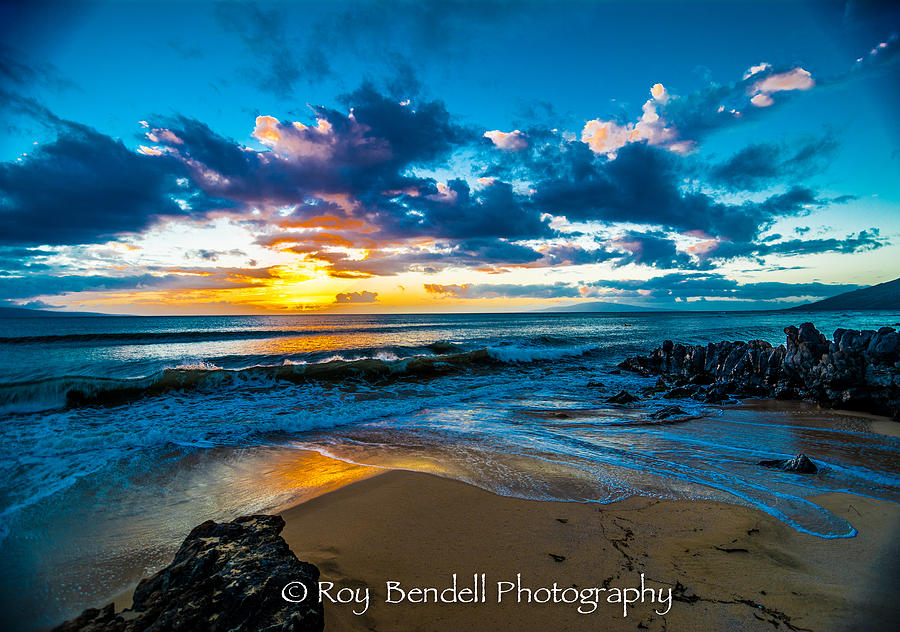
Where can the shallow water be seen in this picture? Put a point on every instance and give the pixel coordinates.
(118, 435)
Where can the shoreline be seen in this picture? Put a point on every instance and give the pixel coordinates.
(368, 508)
(729, 567)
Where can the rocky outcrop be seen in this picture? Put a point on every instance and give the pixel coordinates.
(622, 397)
(800, 464)
(225, 576)
(857, 370)
(668, 411)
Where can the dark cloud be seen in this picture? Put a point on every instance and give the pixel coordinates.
(346, 298)
(716, 106)
(53, 284)
(359, 177)
(674, 286)
(474, 253)
(366, 154)
(16, 261)
(496, 211)
(15, 72)
(265, 37)
(651, 249)
(643, 185)
(213, 255)
(761, 165)
(86, 187)
(863, 241)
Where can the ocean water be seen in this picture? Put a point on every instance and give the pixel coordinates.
(117, 435)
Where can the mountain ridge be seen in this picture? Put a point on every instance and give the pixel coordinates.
(875, 297)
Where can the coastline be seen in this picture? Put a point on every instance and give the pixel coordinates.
(724, 565)
(730, 567)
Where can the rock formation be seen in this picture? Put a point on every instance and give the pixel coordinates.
(857, 370)
(801, 464)
(225, 576)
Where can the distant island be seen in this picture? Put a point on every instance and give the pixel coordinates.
(25, 312)
(882, 296)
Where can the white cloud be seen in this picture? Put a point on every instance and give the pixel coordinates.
(795, 79)
(607, 137)
(756, 69)
(762, 100)
(512, 141)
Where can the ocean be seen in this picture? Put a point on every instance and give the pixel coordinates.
(119, 434)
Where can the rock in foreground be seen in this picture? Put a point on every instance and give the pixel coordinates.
(801, 464)
(857, 370)
(225, 576)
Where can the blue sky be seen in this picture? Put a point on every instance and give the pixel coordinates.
(445, 156)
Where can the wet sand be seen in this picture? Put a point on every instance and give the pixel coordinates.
(729, 567)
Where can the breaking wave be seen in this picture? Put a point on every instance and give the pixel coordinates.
(444, 358)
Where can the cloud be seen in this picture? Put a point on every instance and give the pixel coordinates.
(676, 286)
(863, 241)
(213, 255)
(14, 72)
(795, 79)
(86, 187)
(366, 153)
(678, 123)
(512, 141)
(650, 249)
(265, 39)
(353, 192)
(476, 291)
(759, 166)
(608, 137)
(643, 185)
(57, 282)
(683, 121)
(346, 298)
(884, 54)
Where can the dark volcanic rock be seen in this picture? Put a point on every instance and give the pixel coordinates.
(668, 411)
(682, 391)
(800, 464)
(622, 397)
(858, 369)
(225, 576)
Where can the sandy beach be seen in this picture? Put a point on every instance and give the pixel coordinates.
(729, 567)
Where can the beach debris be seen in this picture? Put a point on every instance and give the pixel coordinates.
(668, 411)
(562, 520)
(557, 558)
(225, 576)
(857, 370)
(801, 464)
(622, 397)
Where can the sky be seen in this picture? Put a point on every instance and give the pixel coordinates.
(291, 157)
